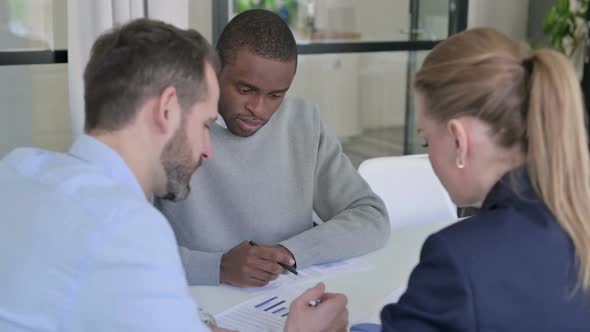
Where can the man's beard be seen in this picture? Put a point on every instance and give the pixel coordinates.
(179, 166)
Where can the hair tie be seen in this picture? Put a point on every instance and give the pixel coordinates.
(528, 65)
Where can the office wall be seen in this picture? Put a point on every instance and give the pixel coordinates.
(199, 17)
(507, 16)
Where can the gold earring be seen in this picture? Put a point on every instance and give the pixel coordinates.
(459, 163)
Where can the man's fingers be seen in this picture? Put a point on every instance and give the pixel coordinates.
(280, 255)
(312, 294)
(340, 323)
(338, 297)
(264, 276)
(334, 311)
(253, 281)
(266, 253)
(255, 271)
(275, 254)
(332, 305)
(246, 261)
(271, 267)
(268, 266)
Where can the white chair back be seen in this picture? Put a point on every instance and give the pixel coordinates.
(410, 189)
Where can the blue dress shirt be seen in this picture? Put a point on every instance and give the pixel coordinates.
(510, 268)
(81, 248)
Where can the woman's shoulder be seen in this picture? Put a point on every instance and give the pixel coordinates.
(495, 235)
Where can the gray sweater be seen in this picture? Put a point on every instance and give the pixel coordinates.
(265, 188)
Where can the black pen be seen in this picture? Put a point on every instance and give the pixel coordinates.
(285, 266)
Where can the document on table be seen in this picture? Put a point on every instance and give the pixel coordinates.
(393, 297)
(311, 273)
(266, 313)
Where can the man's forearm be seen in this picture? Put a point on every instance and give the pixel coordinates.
(351, 233)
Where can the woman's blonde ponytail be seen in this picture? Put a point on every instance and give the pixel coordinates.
(558, 159)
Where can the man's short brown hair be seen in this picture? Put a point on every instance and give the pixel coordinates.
(138, 60)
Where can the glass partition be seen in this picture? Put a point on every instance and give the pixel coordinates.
(32, 25)
(324, 21)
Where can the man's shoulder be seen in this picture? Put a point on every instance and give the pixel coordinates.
(62, 176)
(72, 202)
(297, 118)
(298, 103)
(297, 108)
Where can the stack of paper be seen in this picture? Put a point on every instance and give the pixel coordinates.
(269, 312)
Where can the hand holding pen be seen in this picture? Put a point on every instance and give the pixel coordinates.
(251, 265)
(285, 266)
(316, 310)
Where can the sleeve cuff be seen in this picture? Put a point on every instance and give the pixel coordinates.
(304, 253)
(201, 268)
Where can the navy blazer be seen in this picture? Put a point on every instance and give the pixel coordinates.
(511, 267)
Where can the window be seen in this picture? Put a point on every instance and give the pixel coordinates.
(367, 53)
(33, 80)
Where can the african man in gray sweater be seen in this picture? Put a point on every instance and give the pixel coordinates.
(274, 163)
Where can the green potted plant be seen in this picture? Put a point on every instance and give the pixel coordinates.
(567, 27)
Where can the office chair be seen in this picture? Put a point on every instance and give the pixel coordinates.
(410, 189)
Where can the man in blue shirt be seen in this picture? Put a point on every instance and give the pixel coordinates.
(81, 247)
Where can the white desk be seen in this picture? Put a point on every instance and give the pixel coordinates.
(365, 290)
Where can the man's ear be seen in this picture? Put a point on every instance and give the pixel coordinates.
(460, 136)
(167, 113)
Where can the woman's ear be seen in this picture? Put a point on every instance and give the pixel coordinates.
(167, 113)
(459, 133)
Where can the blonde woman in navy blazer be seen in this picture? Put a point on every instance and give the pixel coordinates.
(505, 129)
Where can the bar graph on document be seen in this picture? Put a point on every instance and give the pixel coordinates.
(264, 314)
